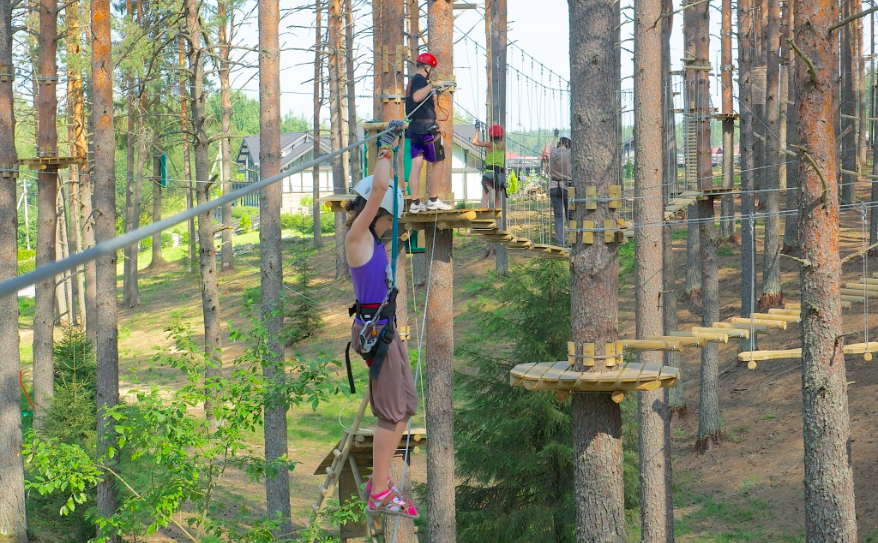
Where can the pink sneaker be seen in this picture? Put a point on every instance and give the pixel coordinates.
(390, 503)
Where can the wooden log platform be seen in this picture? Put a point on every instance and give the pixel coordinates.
(770, 323)
(560, 376)
(853, 348)
(41, 163)
(758, 328)
(732, 333)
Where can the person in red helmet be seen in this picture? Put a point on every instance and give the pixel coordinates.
(494, 178)
(424, 136)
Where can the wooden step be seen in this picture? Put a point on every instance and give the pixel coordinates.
(684, 341)
(649, 345)
(789, 312)
(775, 317)
(758, 328)
(736, 333)
(710, 337)
(771, 323)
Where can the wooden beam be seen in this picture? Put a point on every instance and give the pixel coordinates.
(737, 333)
(710, 337)
(771, 323)
(758, 328)
(684, 341)
(775, 317)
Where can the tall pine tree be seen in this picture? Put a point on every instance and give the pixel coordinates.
(514, 453)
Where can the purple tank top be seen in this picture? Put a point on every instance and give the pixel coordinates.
(370, 279)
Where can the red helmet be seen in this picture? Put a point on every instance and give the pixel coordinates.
(427, 58)
(495, 131)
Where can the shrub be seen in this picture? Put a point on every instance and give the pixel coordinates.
(244, 224)
(26, 266)
(302, 314)
(26, 254)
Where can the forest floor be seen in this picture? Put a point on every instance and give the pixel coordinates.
(748, 489)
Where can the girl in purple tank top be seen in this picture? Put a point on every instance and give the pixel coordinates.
(392, 392)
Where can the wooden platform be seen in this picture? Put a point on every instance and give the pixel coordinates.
(41, 163)
(683, 200)
(853, 348)
(560, 376)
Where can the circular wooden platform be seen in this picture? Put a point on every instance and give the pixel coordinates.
(560, 376)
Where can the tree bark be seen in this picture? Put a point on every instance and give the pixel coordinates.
(829, 487)
(77, 144)
(692, 290)
(210, 307)
(104, 175)
(748, 239)
(495, 24)
(848, 103)
(441, 525)
(873, 193)
(791, 221)
(157, 259)
(652, 412)
(277, 488)
(676, 400)
(594, 271)
(47, 195)
(63, 292)
(697, 22)
(772, 293)
(338, 117)
(129, 282)
(318, 99)
(355, 169)
(13, 513)
(727, 209)
(187, 159)
(226, 17)
(142, 140)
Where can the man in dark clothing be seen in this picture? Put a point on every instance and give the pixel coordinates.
(423, 133)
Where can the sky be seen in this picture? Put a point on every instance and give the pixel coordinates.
(539, 35)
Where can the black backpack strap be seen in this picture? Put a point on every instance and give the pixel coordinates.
(347, 359)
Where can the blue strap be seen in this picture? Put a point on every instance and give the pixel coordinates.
(394, 243)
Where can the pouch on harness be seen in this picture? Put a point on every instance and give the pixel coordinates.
(374, 344)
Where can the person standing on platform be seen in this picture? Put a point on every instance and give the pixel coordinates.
(494, 178)
(560, 176)
(424, 136)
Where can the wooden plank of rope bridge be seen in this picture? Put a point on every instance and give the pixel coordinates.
(793, 305)
(857, 293)
(771, 323)
(790, 312)
(630, 377)
(747, 356)
(516, 374)
(852, 299)
(710, 337)
(776, 317)
(649, 345)
(684, 341)
(433, 216)
(862, 286)
(737, 333)
(759, 328)
(869, 280)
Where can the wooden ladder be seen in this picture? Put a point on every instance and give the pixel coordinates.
(333, 472)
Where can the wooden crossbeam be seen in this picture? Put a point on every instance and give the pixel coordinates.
(737, 333)
(853, 348)
(650, 345)
(776, 317)
(710, 337)
(771, 323)
(758, 328)
(684, 341)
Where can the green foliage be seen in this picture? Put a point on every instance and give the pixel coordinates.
(26, 266)
(71, 426)
(166, 460)
(146, 243)
(304, 224)
(26, 254)
(244, 224)
(303, 318)
(514, 446)
(524, 494)
(292, 122)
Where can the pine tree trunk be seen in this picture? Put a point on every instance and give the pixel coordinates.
(277, 488)
(747, 142)
(13, 513)
(829, 487)
(676, 400)
(355, 170)
(157, 259)
(47, 195)
(873, 194)
(791, 221)
(861, 96)
(758, 91)
(594, 271)
(441, 524)
(697, 21)
(337, 94)
(772, 293)
(496, 39)
(130, 252)
(75, 127)
(652, 412)
(693, 256)
(137, 200)
(226, 22)
(848, 105)
(62, 288)
(83, 126)
(210, 303)
(187, 159)
(318, 99)
(104, 176)
(727, 213)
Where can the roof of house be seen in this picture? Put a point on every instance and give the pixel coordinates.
(293, 146)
